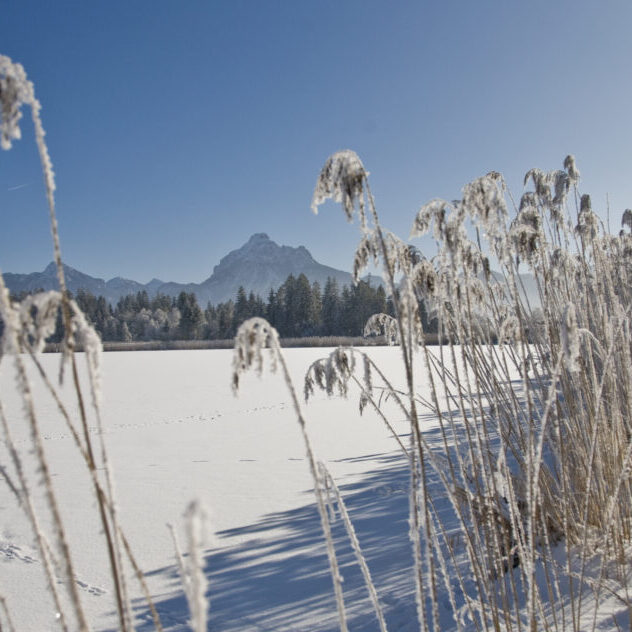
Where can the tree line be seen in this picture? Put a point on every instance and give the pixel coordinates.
(296, 309)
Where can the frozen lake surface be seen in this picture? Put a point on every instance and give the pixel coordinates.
(175, 432)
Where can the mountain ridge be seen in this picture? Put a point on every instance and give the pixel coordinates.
(259, 265)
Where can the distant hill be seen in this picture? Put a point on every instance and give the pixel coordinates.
(259, 265)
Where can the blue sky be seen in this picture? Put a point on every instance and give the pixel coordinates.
(179, 128)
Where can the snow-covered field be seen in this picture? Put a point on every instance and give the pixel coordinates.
(176, 432)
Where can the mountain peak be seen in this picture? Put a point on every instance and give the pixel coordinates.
(258, 238)
(261, 264)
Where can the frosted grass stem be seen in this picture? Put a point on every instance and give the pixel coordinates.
(355, 544)
(252, 336)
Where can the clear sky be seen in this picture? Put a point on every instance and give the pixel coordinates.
(178, 128)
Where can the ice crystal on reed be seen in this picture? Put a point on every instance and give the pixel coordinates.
(571, 168)
(587, 221)
(561, 184)
(569, 339)
(483, 199)
(195, 520)
(541, 183)
(382, 324)
(38, 317)
(343, 180)
(15, 91)
(368, 248)
(10, 316)
(423, 276)
(330, 373)
(509, 329)
(34, 320)
(84, 333)
(526, 232)
(434, 211)
(254, 335)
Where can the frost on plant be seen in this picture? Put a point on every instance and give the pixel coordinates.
(570, 339)
(15, 91)
(191, 568)
(331, 374)
(195, 518)
(382, 325)
(587, 221)
(485, 203)
(342, 179)
(431, 214)
(368, 249)
(31, 322)
(526, 231)
(571, 169)
(252, 337)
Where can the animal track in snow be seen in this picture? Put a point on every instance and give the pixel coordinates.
(13, 552)
(197, 418)
(93, 590)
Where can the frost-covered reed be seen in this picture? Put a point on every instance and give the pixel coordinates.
(253, 337)
(537, 469)
(25, 329)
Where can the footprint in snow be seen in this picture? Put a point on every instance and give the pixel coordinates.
(93, 590)
(13, 552)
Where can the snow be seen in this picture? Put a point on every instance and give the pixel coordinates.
(176, 433)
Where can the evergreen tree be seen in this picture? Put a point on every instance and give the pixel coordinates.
(259, 307)
(241, 312)
(345, 322)
(252, 305)
(191, 317)
(225, 317)
(272, 309)
(316, 309)
(212, 323)
(380, 300)
(302, 322)
(163, 302)
(281, 310)
(331, 308)
(290, 306)
(142, 300)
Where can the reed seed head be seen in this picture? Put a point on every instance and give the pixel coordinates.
(342, 179)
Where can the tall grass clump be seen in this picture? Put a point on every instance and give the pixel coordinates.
(533, 401)
(27, 472)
